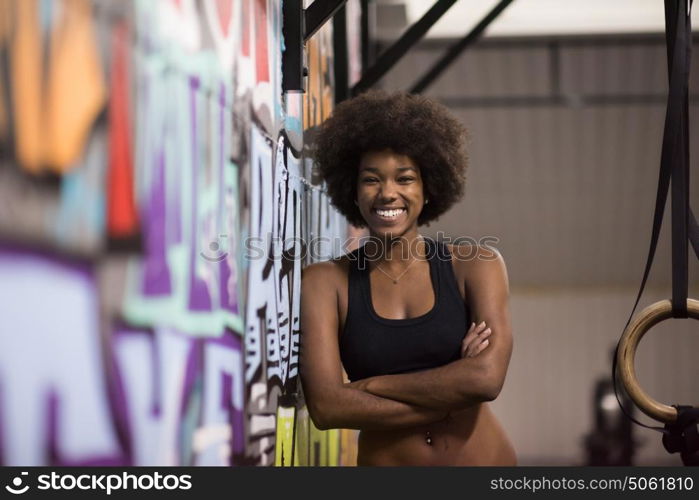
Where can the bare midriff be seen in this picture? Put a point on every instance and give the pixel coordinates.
(469, 437)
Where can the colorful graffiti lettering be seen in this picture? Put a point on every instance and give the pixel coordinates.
(153, 209)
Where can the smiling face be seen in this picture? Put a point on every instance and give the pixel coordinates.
(389, 193)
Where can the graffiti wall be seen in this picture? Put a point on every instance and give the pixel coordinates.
(154, 214)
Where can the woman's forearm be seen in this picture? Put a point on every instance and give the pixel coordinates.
(351, 408)
(459, 384)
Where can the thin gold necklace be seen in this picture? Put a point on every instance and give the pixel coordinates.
(395, 280)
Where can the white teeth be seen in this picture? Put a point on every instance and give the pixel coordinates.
(390, 213)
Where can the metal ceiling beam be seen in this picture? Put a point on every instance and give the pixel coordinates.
(318, 13)
(298, 25)
(393, 54)
(454, 51)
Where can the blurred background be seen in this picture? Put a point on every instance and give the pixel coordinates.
(565, 106)
(141, 143)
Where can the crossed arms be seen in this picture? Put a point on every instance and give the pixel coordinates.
(405, 400)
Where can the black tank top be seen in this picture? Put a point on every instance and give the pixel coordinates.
(371, 345)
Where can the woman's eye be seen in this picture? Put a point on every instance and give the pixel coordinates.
(369, 179)
(406, 179)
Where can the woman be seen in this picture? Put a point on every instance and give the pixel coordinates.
(422, 332)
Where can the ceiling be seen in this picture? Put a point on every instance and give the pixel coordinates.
(528, 17)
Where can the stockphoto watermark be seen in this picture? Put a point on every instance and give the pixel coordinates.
(319, 248)
(106, 483)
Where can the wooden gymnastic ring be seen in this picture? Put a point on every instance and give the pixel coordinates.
(626, 353)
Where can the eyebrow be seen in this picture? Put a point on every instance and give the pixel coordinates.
(376, 170)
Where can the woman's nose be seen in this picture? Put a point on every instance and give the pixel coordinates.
(388, 190)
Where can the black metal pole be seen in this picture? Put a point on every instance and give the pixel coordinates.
(457, 49)
(340, 61)
(368, 44)
(393, 54)
(292, 57)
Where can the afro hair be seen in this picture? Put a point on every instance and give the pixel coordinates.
(407, 124)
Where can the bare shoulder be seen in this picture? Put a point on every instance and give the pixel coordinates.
(326, 275)
(478, 263)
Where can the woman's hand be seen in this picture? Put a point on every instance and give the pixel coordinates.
(476, 340)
